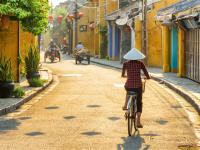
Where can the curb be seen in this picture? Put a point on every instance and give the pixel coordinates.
(15, 106)
(186, 96)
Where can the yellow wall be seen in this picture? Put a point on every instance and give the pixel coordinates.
(9, 45)
(154, 34)
(26, 40)
(88, 38)
(181, 58)
(112, 6)
(92, 38)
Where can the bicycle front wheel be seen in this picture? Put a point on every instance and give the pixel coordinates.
(130, 123)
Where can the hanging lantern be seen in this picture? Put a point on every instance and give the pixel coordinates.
(60, 19)
(50, 18)
(70, 16)
(127, 28)
(5, 22)
(80, 14)
(92, 25)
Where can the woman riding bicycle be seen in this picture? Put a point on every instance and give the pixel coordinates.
(133, 68)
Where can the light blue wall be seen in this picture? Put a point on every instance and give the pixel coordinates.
(117, 40)
(174, 49)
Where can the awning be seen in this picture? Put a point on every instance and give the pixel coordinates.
(168, 12)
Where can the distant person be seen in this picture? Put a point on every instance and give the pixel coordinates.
(79, 46)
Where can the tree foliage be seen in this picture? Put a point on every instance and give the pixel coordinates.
(33, 14)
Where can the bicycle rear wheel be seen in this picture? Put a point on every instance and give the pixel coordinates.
(130, 123)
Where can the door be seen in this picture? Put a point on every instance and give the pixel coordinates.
(174, 50)
(192, 54)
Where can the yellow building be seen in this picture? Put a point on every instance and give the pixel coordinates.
(13, 41)
(90, 24)
(154, 30)
(87, 28)
(181, 38)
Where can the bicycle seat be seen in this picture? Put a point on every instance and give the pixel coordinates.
(131, 93)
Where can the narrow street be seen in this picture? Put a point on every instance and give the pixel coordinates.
(81, 110)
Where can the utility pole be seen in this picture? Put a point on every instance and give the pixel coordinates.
(76, 22)
(144, 30)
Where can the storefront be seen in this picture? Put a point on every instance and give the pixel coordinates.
(182, 22)
(192, 54)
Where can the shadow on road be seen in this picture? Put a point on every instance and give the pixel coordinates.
(34, 133)
(114, 118)
(134, 142)
(69, 117)
(7, 125)
(91, 133)
(93, 106)
(52, 107)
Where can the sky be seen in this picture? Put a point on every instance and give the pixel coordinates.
(56, 2)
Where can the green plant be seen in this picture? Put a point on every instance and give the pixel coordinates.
(18, 92)
(107, 58)
(103, 30)
(6, 74)
(32, 61)
(35, 82)
(33, 14)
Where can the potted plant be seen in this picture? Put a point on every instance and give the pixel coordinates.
(32, 61)
(6, 77)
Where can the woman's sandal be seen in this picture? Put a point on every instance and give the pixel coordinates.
(124, 108)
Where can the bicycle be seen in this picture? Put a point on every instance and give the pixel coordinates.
(131, 113)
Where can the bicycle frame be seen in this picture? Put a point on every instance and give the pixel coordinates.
(132, 104)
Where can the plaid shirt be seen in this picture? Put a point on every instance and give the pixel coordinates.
(133, 69)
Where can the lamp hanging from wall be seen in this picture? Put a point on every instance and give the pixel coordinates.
(92, 25)
(5, 22)
(80, 14)
(50, 18)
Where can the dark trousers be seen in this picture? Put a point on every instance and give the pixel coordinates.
(139, 97)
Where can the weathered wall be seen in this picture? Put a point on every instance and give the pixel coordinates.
(154, 33)
(88, 37)
(26, 40)
(9, 45)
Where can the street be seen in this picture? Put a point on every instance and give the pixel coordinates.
(82, 110)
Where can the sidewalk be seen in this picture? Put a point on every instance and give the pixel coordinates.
(10, 104)
(189, 89)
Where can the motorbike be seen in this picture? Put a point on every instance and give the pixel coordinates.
(79, 57)
(52, 54)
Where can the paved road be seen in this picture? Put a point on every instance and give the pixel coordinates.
(82, 111)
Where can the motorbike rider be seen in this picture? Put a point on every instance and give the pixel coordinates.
(53, 46)
(80, 49)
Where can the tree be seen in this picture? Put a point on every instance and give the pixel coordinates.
(33, 14)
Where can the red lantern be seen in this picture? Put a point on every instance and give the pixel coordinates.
(60, 19)
(80, 14)
(50, 18)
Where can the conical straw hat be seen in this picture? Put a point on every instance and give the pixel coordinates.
(134, 54)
